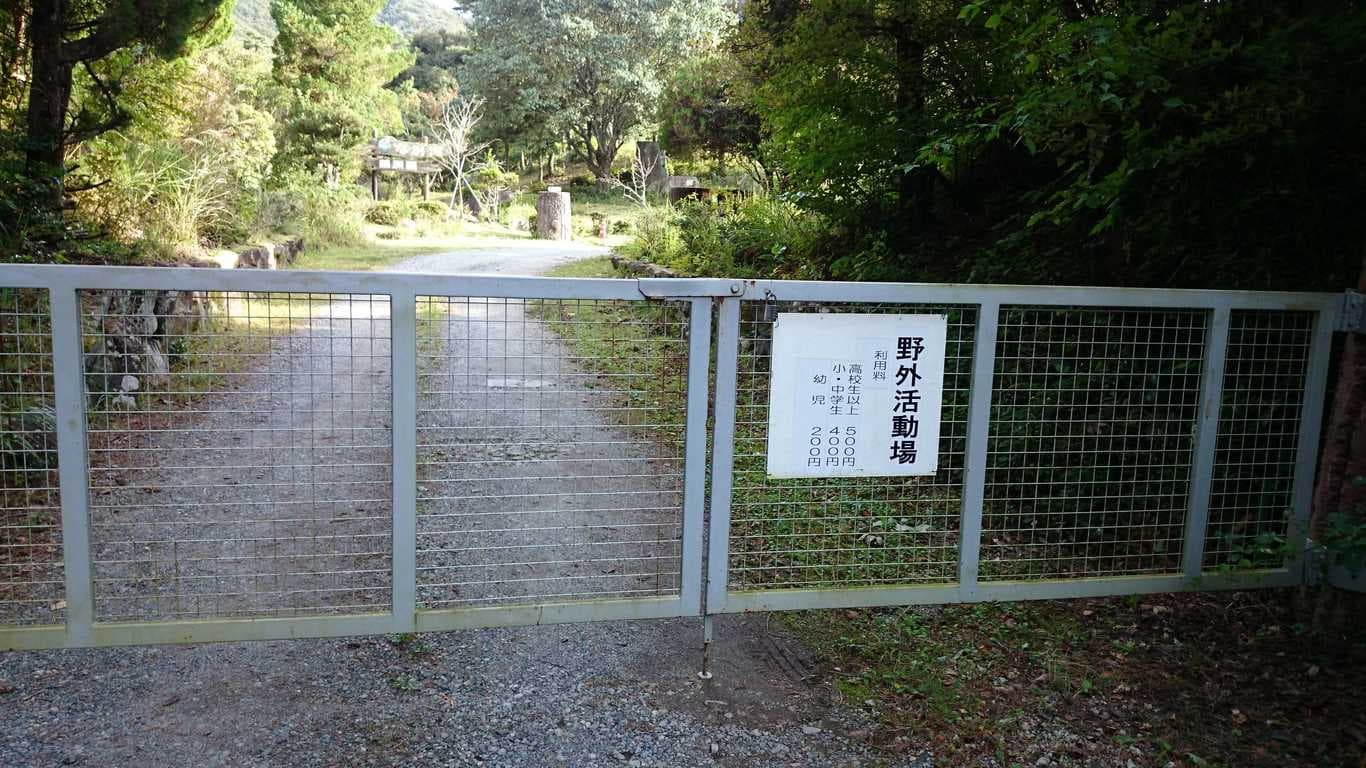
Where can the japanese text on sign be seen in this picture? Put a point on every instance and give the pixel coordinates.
(855, 395)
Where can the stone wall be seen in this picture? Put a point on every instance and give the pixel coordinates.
(264, 256)
(142, 331)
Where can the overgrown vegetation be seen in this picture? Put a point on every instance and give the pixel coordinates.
(1174, 144)
(1194, 680)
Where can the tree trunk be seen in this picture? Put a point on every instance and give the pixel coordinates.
(600, 158)
(49, 94)
(914, 187)
(552, 215)
(1344, 439)
(652, 159)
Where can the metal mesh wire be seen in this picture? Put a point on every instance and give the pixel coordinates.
(239, 453)
(550, 449)
(792, 533)
(31, 576)
(1259, 429)
(1089, 455)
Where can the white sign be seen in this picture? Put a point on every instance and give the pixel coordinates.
(855, 395)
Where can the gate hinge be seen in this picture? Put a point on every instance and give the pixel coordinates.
(688, 287)
(1352, 318)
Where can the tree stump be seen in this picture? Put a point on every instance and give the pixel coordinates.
(552, 215)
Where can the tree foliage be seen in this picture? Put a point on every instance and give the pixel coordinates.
(590, 70)
(437, 56)
(192, 170)
(331, 62)
(702, 111)
(60, 38)
(1142, 143)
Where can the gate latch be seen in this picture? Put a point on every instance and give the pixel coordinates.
(1352, 318)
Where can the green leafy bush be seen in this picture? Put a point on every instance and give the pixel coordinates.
(30, 230)
(430, 209)
(384, 213)
(752, 236)
(302, 204)
(657, 237)
(516, 213)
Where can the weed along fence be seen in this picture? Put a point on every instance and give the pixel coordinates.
(192, 455)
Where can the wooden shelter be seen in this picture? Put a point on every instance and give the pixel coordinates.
(388, 154)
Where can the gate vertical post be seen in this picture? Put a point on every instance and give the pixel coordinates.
(1307, 448)
(403, 473)
(1206, 442)
(975, 453)
(72, 462)
(723, 452)
(695, 453)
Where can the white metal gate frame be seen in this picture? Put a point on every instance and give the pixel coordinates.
(989, 300)
(704, 588)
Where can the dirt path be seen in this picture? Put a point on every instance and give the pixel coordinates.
(585, 512)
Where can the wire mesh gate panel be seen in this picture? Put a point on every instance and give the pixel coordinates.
(252, 455)
(201, 455)
(238, 453)
(549, 463)
(1095, 442)
(31, 579)
(852, 531)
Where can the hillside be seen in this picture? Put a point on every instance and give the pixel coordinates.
(412, 16)
(251, 18)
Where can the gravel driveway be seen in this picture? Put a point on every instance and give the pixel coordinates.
(623, 693)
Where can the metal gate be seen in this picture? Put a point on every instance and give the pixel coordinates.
(196, 455)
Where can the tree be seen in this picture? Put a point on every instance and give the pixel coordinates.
(492, 184)
(331, 64)
(1138, 122)
(702, 111)
(638, 191)
(848, 91)
(460, 116)
(63, 36)
(1069, 142)
(189, 171)
(438, 56)
(590, 69)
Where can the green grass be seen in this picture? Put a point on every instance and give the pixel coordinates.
(586, 201)
(359, 257)
(387, 246)
(600, 266)
(621, 341)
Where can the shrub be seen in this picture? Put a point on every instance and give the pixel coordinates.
(325, 215)
(657, 237)
(430, 209)
(516, 213)
(384, 213)
(756, 236)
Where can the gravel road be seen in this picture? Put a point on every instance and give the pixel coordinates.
(623, 693)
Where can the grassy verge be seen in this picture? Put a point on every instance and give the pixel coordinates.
(638, 349)
(387, 246)
(600, 266)
(1186, 680)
